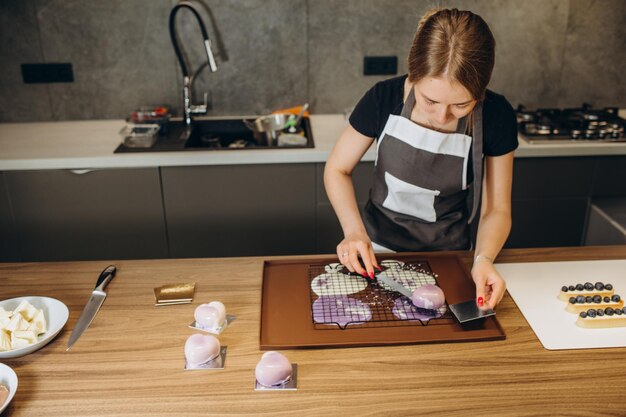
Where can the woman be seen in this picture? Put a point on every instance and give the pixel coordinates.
(439, 130)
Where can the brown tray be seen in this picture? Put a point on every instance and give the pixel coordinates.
(286, 320)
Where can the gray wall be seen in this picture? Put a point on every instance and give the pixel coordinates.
(278, 53)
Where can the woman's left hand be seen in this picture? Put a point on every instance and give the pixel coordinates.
(490, 286)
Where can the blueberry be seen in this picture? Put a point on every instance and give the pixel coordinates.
(600, 312)
(588, 299)
(624, 310)
(608, 287)
(571, 288)
(583, 314)
(599, 286)
(572, 300)
(606, 299)
(591, 312)
(615, 298)
(609, 311)
(588, 286)
(580, 299)
(564, 288)
(618, 312)
(579, 287)
(597, 299)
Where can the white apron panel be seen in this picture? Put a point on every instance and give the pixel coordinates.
(410, 199)
(416, 136)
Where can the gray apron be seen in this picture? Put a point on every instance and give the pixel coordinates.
(419, 197)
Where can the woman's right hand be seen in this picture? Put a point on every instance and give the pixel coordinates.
(354, 246)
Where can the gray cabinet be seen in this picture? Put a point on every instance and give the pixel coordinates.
(80, 215)
(10, 250)
(550, 201)
(328, 230)
(240, 210)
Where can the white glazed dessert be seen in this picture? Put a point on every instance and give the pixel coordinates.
(200, 349)
(586, 289)
(211, 316)
(273, 369)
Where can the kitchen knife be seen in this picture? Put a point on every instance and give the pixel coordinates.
(381, 277)
(93, 305)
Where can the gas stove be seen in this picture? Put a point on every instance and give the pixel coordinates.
(583, 124)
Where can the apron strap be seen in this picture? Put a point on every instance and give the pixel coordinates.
(477, 157)
(407, 108)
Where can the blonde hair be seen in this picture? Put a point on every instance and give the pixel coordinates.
(456, 44)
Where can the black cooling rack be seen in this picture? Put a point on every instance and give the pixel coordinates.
(362, 293)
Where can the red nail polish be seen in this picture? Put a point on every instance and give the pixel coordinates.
(371, 275)
(480, 301)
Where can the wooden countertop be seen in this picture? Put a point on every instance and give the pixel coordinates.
(130, 361)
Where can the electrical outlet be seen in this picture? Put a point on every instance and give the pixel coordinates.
(47, 73)
(380, 65)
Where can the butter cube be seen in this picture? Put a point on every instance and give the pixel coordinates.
(5, 341)
(5, 314)
(17, 342)
(26, 335)
(26, 309)
(38, 325)
(17, 323)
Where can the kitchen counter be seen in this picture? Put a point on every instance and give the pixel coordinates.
(130, 361)
(90, 144)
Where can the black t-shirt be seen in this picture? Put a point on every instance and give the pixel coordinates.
(386, 97)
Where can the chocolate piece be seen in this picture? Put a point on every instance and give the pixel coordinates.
(583, 314)
(571, 288)
(599, 286)
(579, 287)
(564, 288)
(588, 286)
(591, 312)
(615, 298)
(608, 287)
(572, 300)
(597, 299)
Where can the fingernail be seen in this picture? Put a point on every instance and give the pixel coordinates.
(480, 301)
(371, 275)
(364, 275)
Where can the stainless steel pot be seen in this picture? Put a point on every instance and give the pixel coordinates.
(267, 128)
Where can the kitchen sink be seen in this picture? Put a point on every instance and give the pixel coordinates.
(219, 134)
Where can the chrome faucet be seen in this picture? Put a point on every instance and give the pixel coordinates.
(188, 76)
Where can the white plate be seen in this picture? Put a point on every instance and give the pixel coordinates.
(56, 314)
(9, 380)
